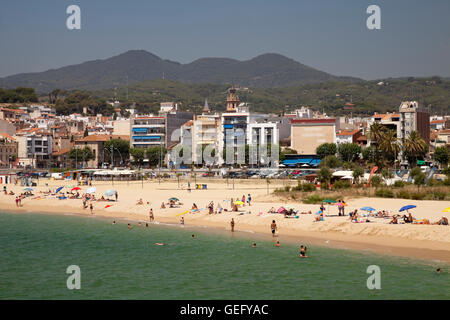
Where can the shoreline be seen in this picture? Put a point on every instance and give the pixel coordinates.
(429, 252)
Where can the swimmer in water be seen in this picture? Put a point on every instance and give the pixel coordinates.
(277, 244)
(114, 222)
(159, 243)
(303, 252)
(254, 245)
(438, 270)
(193, 236)
(129, 226)
(146, 225)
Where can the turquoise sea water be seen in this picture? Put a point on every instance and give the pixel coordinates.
(118, 263)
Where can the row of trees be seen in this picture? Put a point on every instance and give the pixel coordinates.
(383, 151)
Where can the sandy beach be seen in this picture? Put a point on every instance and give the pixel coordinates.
(428, 242)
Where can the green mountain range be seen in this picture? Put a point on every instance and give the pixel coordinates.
(264, 71)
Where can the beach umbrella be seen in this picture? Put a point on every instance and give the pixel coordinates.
(76, 189)
(368, 209)
(59, 189)
(239, 202)
(174, 199)
(410, 206)
(110, 192)
(446, 210)
(91, 190)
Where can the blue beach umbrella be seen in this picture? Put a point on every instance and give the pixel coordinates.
(110, 192)
(368, 209)
(58, 190)
(410, 206)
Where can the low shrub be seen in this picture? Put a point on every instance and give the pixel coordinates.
(399, 184)
(403, 194)
(341, 185)
(384, 193)
(418, 196)
(314, 199)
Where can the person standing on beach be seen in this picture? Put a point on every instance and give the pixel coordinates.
(91, 207)
(17, 201)
(182, 221)
(117, 195)
(232, 224)
(150, 215)
(249, 199)
(274, 227)
(189, 186)
(243, 199)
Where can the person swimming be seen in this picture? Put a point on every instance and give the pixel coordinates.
(277, 244)
(254, 245)
(114, 222)
(159, 243)
(129, 226)
(193, 236)
(303, 252)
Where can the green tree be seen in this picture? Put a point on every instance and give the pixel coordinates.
(156, 155)
(388, 144)
(324, 175)
(419, 180)
(349, 151)
(81, 154)
(414, 146)
(326, 149)
(138, 155)
(376, 181)
(441, 155)
(357, 174)
(119, 146)
(330, 162)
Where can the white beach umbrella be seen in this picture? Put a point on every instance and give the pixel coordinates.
(91, 190)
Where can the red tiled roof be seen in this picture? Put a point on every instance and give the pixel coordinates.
(7, 136)
(60, 152)
(348, 133)
(102, 137)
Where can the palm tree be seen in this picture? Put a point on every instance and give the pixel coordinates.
(388, 143)
(376, 132)
(376, 136)
(414, 145)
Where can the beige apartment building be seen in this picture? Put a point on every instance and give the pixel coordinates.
(308, 134)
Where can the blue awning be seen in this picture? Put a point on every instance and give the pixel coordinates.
(295, 161)
(147, 137)
(228, 126)
(139, 129)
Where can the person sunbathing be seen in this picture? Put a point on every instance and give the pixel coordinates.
(194, 206)
(11, 193)
(272, 210)
(163, 206)
(394, 220)
(140, 202)
(442, 222)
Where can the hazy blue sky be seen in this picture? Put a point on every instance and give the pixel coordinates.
(328, 35)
